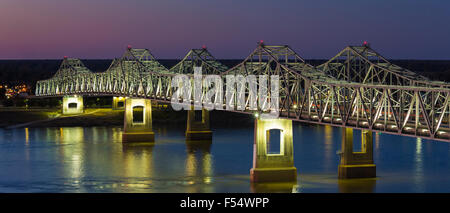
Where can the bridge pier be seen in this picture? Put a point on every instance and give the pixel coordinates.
(118, 103)
(268, 166)
(72, 105)
(356, 164)
(198, 125)
(137, 125)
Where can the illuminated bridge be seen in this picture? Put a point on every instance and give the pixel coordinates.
(356, 89)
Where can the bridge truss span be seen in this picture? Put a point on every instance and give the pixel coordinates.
(362, 64)
(306, 93)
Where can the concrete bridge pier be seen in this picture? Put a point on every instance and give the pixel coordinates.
(197, 128)
(137, 125)
(356, 164)
(118, 103)
(72, 104)
(269, 166)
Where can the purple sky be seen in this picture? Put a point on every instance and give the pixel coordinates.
(400, 29)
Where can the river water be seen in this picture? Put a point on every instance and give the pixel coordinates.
(93, 159)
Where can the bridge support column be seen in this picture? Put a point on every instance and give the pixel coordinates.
(138, 121)
(198, 125)
(356, 164)
(72, 105)
(273, 167)
(118, 103)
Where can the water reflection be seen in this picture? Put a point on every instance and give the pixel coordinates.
(198, 164)
(287, 187)
(72, 154)
(138, 165)
(27, 142)
(418, 165)
(377, 145)
(27, 136)
(329, 154)
(363, 185)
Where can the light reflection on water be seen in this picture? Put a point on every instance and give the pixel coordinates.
(93, 159)
(328, 147)
(418, 165)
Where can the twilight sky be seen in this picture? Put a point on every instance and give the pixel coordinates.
(51, 29)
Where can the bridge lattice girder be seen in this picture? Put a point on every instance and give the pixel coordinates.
(199, 58)
(306, 94)
(364, 65)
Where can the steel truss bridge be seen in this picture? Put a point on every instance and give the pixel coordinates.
(357, 88)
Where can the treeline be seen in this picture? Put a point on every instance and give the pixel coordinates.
(29, 71)
(438, 70)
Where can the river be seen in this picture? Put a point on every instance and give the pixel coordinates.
(93, 159)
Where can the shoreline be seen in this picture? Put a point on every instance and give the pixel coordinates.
(20, 117)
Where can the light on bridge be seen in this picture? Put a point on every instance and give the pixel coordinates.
(366, 44)
(256, 115)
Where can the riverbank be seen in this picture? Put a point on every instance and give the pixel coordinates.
(12, 117)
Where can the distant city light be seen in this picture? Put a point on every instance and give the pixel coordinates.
(13, 91)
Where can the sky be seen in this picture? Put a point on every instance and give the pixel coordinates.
(319, 29)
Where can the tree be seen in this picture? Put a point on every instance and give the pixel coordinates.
(2, 93)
